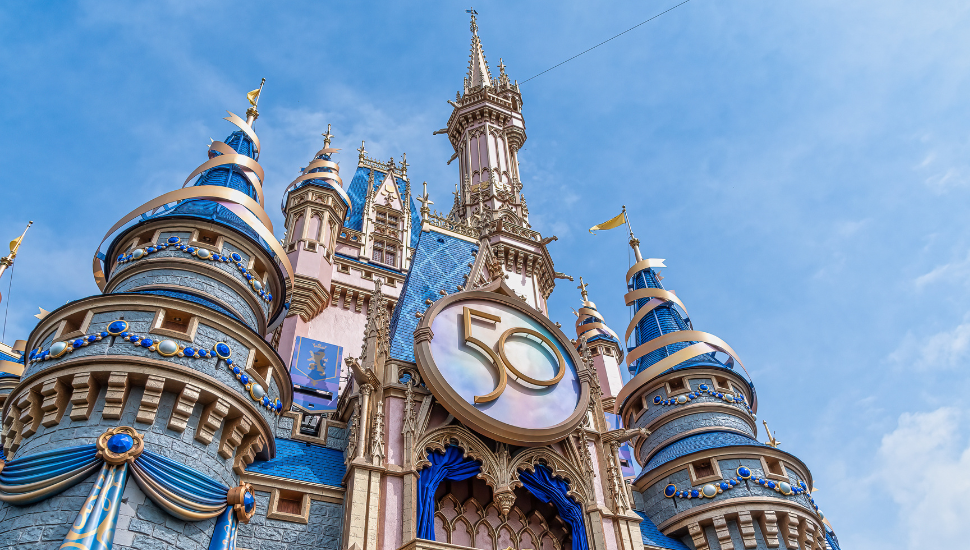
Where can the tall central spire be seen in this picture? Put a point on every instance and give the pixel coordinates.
(478, 73)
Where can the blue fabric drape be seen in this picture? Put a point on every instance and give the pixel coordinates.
(553, 491)
(33, 478)
(224, 535)
(183, 492)
(451, 465)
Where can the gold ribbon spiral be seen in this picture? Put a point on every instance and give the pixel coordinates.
(334, 176)
(703, 341)
(250, 211)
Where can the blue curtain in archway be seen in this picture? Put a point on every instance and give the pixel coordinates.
(554, 491)
(451, 465)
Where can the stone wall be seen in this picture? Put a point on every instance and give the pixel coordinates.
(322, 532)
(687, 423)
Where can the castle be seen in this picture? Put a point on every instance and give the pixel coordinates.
(384, 377)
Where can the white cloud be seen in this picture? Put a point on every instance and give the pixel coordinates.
(945, 350)
(953, 271)
(923, 465)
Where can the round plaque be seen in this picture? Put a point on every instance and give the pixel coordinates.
(501, 367)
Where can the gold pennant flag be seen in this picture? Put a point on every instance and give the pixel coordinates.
(15, 244)
(253, 96)
(610, 224)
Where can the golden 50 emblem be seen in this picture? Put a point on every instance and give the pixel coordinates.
(501, 360)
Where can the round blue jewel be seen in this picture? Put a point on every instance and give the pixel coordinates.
(725, 485)
(223, 350)
(771, 484)
(93, 338)
(269, 296)
(248, 502)
(703, 387)
(45, 353)
(147, 343)
(190, 250)
(117, 327)
(691, 395)
(189, 352)
(120, 443)
(695, 493)
(235, 256)
(744, 472)
(229, 362)
(150, 249)
(265, 400)
(657, 400)
(670, 490)
(78, 343)
(236, 370)
(244, 379)
(105, 335)
(203, 353)
(121, 258)
(173, 240)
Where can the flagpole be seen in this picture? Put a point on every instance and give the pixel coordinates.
(634, 242)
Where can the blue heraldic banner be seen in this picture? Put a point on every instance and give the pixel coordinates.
(315, 370)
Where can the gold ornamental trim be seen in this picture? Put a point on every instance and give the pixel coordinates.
(466, 412)
(111, 457)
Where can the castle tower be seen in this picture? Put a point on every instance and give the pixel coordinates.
(486, 129)
(153, 397)
(706, 478)
(604, 344)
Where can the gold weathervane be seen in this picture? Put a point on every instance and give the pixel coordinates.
(253, 97)
(772, 440)
(7, 260)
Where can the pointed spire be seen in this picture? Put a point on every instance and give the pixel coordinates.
(328, 136)
(478, 73)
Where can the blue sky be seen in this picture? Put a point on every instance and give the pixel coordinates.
(804, 168)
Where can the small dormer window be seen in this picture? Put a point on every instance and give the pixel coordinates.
(385, 253)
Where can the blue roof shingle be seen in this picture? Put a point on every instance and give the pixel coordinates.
(653, 537)
(303, 462)
(440, 263)
(695, 443)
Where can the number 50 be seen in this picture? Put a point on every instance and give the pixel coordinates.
(500, 360)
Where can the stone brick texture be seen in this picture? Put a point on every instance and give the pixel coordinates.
(692, 422)
(653, 411)
(323, 530)
(140, 322)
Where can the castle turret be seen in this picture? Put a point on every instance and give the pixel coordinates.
(153, 397)
(705, 477)
(604, 345)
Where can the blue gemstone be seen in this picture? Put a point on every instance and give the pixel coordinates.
(703, 387)
(105, 335)
(150, 249)
(235, 256)
(691, 395)
(229, 362)
(265, 400)
(78, 343)
(670, 490)
(223, 350)
(269, 296)
(120, 443)
(121, 258)
(147, 343)
(33, 353)
(45, 353)
(248, 502)
(188, 352)
(657, 400)
(771, 484)
(244, 379)
(695, 493)
(173, 240)
(203, 353)
(93, 338)
(134, 338)
(236, 370)
(725, 486)
(743, 471)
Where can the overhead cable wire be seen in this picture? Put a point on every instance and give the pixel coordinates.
(605, 41)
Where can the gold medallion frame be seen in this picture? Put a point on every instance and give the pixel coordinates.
(466, 412)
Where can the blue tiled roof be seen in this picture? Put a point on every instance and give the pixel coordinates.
(695, 443)
(440, 263)
(653, 537)
(357, 191)
(303, 462)
(832, 539)
(189, 298)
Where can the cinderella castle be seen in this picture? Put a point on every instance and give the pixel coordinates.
(384, 377)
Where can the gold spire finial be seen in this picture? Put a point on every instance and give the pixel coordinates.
(361, 150)
(252, 114)
(425, 201)
(14, 246)
(404, 164)
(327, 137)
(582, 289)
(474, 24)
(772, 440)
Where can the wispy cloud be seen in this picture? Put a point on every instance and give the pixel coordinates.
(943, 351)
(923, 465)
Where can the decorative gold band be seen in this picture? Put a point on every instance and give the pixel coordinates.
(246, 128)
(644, 264)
